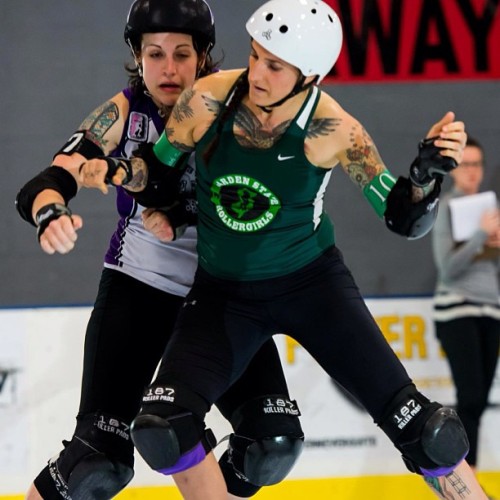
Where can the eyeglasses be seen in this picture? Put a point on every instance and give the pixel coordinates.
(471, 164)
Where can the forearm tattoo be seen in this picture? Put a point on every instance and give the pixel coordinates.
(449, 487)
(100, 121)
(364, 162)
(139, 174)
(185, 148)
(419, 193)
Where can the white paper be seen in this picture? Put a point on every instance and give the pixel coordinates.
(466, 213)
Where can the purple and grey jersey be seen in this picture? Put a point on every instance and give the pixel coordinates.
(133, 250)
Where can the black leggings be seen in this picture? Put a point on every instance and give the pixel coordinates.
(129, 328)
(471, 346)
(224, 323)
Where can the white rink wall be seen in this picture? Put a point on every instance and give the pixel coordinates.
(40, 367)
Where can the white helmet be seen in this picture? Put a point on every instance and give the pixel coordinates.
(304, 33)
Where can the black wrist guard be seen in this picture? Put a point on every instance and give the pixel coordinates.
(113, 165)
(47, 214)
(429, 164)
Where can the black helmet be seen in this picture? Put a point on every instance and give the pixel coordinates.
(193, 17)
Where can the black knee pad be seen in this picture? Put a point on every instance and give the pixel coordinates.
(169, 431)
(266, 443)
(430, 437)
(95, 465)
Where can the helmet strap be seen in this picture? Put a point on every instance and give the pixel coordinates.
(298, 87)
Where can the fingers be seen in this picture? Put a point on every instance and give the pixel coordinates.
(77, 221)
(119, 177)
(490, 222)
(92, 174)
(495, 239)
(445, 120)
(158, 224)
(147, 212)
(451, 136)
(60, 235)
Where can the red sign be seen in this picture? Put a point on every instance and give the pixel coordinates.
(402, 40)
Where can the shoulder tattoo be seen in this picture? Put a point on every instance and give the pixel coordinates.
(100, 121)
(322, 126)
(213, 105)
(183, 108)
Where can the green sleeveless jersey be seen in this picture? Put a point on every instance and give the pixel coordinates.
(261, 210)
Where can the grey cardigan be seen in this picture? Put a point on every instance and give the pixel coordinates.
(468, 280)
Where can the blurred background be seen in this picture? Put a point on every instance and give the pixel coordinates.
(62, 59)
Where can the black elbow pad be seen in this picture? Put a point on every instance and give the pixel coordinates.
(56, 178)
(413, 220)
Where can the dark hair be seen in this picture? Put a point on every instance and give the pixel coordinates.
(471, 141)
(474, 143)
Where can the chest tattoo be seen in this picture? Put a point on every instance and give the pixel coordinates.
(251, 133)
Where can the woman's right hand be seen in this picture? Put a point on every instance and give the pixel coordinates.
(157, 223)
(60, 235)
(92, 174)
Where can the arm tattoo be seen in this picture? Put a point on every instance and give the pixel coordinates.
(100, 121)
(419, 193)
(364, 161)
(139, 177)
(322, 126)
(212, 105)
(170, 131)
(182, 107)
(449, 487)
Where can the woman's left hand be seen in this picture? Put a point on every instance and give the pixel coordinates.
(450, 136)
